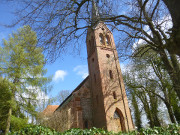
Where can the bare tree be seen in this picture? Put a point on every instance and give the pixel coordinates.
(63, 94)
(60, 120)
(64, 22)
(58, 22)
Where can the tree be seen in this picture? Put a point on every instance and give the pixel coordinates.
(151, 81)
(164, 83)
(50, 15)
(18, 120)
(4, 102)
(22, 64)
(141, 92)
(59, 23)
(137, 112)
(63, 94)
(173, 7)
(59, 120)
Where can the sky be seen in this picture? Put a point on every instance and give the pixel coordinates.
(67, 72)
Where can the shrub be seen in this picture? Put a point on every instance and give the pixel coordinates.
(18, 123)
(34, 130)
(173, 129)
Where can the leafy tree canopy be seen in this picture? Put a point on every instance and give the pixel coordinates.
(60, 23)
(22, 66)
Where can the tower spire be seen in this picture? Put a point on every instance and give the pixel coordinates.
(95, 12)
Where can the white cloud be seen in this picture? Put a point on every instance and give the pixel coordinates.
(123, 67)
(81, 70)
(40, 101)
(59, 75)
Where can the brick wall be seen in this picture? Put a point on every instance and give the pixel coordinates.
(106, 80)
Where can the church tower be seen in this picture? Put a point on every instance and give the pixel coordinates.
(109, 101)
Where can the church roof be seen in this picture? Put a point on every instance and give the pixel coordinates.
(70, 96)
(49, 109)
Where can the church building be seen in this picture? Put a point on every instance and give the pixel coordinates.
(100, 100)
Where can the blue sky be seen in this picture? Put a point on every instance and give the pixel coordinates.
(68, 71)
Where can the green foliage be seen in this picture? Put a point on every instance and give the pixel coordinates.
(5, 103)
(5, 95)
(91, 131)
(173, 129)
(137, 113)
(152, 86)
(18, 123)
(22, 70)
(34, 130)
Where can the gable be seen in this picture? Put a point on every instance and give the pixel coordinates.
(68, 99)
(102, 25)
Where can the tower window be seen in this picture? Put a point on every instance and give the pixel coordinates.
(114, 95)
(92, 59)
(101, 38)
(107, 40)
(107, 55)
(110, 74)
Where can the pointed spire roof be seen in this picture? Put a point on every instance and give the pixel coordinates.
(95, 12)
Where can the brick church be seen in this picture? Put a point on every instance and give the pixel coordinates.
(100, 100)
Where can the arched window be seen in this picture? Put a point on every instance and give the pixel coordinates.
(116, 115)
(114, 95)
(107, 40)
(101, 38)
(110, 74)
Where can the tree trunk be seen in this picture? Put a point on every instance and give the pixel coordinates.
(176, 75)
(147, 109)
(154, 111)
(174, 103)
(170, 99)
(8, 121)
(10, 109)
(173, 7)
(137, 113)
(170, 111)
(176, 110)
(171, 71)
(149, 115)
(154, 107)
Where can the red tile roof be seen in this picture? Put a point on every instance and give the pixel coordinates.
(49, 109)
